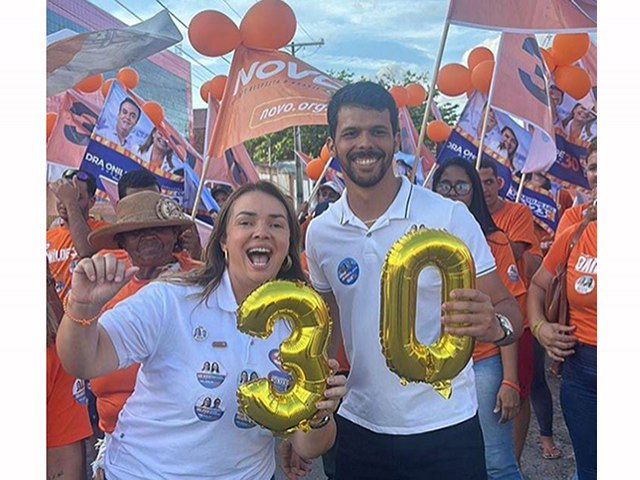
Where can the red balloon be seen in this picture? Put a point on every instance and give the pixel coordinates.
(106, 86)
(438, 131)
(128, 77)
(481, 76)
(400, 95)
(548, 59)
(325, 154)
(417, 94)
(51, 121)
(479, 55)
(212, 33)
(568, 48)
(89, 84)
(314, 168)
(573, 80)
(454, 79)
(269, 24)
(154, 111)
(204, 91)
(216, 87)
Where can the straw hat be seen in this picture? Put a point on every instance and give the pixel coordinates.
(138, 211)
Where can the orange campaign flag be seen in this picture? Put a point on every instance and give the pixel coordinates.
(522, 16)
(267, 91)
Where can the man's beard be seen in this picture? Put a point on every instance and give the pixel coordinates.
(370, 179)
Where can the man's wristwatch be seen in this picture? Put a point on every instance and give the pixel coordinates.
(507, 328)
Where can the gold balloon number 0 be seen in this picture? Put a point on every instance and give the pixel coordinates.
(303, 354)
(411, 360)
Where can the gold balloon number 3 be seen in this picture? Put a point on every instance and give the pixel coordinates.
(411, 360)
(303, 354)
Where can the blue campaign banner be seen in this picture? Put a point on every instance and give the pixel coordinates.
(541, 203)
(102, 161)
(568, 169)
(459, 144)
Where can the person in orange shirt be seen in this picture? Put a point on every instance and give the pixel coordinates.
(516, 221)
(576, 214)
(574, 344)
(148, 231)
(67, 243)
(67, 417)
(495, 368)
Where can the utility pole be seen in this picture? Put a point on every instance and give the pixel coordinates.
(297, 140)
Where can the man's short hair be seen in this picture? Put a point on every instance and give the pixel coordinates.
(488, 163)
(83, 176)
(132, 102)
(593, 147)
(365, 94)
(140, 178)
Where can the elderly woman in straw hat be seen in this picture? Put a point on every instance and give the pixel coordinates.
(182, 419)
(147, 227)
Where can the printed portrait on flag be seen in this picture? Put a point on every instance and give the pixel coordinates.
(125, 139)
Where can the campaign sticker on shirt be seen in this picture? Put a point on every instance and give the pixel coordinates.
(200, 333)
(79, 391)
(211, 375)
(209, 409)
(240, 419)
(512, 273)
(348, 271)
(585, 284)
(279, 378)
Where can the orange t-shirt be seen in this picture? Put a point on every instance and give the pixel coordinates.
(113, 390)
(508, 272)
(67, 414)
(516, 220)
(571, 217)
(582, 274)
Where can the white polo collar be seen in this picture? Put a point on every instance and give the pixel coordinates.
(224, 294)
(399, 208)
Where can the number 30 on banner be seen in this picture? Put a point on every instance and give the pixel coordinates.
(303, 354)
(411, 360)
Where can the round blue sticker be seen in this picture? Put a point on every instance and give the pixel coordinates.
(348, 271)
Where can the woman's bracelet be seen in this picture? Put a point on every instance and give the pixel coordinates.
(515, 386)
(85, 322)
(537, 326)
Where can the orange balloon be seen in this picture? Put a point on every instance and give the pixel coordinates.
(212, 33)
(573, 80)
(269, 24)
(400, 95)
(438, 131)
(481, 76)
(204, 91)
(216, 87)
(106, 86)
(325, 154)
(568, 48)
(314, 168)
(453, 79)
(128, 77)
(89, 84)
(417, 94)
(479, 55)
(548, 59)
(154, 111)
(51, 121)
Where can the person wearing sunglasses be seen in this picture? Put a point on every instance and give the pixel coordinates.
(67, 243)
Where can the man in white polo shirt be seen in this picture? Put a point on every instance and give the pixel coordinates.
(387, 430)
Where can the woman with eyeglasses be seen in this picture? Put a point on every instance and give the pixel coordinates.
(495, 368)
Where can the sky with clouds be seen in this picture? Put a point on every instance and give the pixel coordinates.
(366, 37)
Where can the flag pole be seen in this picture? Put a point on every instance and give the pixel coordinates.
(207, 158)
(432, 88)
(433, 169)
(316, 187)
(488, 107)
(521, 186)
